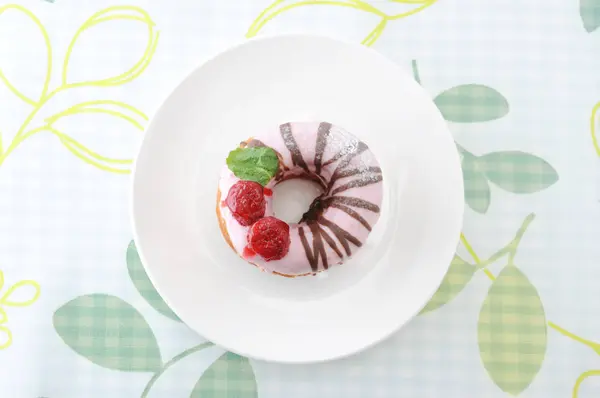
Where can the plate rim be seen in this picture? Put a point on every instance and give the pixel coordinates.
(232, 46)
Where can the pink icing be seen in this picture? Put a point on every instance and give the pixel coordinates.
(306, 135)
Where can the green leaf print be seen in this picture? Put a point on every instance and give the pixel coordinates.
(518, 172)
(109, 332)
(471, 103)
(590, 14)
(512, 332)
(142, 283)
(458, 276)
(230, 376)
(477, 188)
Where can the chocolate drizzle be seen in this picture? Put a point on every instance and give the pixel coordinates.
(352, 149)
(322, 135)
(362, 182)
(350, 173)
(342, 235)
(292, 146)
(320, 227)
(354, 214)
(354, 202)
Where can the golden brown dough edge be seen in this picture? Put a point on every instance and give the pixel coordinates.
(222, 225)
(225, 233)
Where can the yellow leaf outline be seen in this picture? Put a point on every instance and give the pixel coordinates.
(9, 338)
(5, 300)
(581, 379)
(100, 17)
(42, 29)
(89, 156)
(280, 6)
(111, 13)
(593, 122)
(375, 33)
(423, 5)
(81, 151)
(272, 11)
(84, 153)
(91, 107)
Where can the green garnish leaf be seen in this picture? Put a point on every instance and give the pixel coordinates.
(259, 164)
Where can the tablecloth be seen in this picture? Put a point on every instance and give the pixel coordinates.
(518, 313)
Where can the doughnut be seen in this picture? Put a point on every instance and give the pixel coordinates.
(336, 224)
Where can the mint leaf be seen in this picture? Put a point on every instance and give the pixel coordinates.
(258, 164)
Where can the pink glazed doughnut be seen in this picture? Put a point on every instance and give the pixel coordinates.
(337, 223)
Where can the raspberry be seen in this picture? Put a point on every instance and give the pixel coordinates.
(246, 202)
(269, 237)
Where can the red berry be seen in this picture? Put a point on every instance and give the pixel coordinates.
(269, 237)
(246, 202)
(248, 253)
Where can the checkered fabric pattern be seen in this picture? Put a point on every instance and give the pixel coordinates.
(229, 376)
(517, 83)
(109, 332)
(512, 331)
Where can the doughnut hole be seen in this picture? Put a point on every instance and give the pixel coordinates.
(292, 198)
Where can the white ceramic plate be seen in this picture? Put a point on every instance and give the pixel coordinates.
(257, 85)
